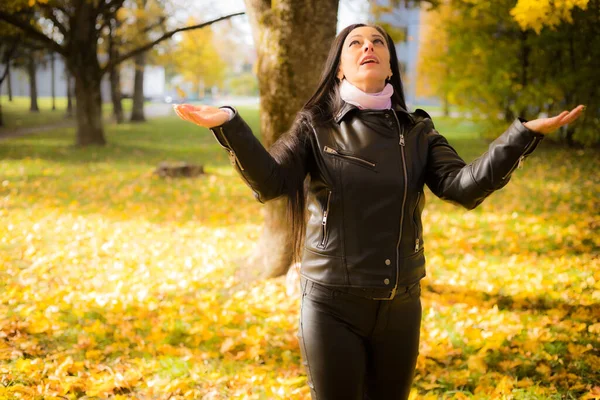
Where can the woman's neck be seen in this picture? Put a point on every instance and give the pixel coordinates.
(378, 101)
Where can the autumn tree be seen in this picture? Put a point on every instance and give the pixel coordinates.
(9, 42)
(80, 25)
(197, 59)
(483, 60)
(285, 33)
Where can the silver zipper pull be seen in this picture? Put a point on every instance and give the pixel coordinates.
(520, 165)
(417, 245)
(232, 158)
(330, 150)
(324, 218)
(401, 139)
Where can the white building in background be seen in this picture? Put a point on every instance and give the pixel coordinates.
(409, 20)
(154, 80)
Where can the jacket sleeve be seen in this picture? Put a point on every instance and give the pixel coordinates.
(269, 173)
(453, 180)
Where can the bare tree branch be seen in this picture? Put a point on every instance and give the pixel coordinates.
(6, 59)
(260, 6)
(158, 23)
(32, 32)
(164, 37)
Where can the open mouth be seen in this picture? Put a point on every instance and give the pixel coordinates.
(369, 61)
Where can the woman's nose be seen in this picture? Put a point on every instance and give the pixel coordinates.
(368, 46)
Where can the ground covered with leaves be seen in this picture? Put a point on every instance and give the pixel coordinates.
(115, 283)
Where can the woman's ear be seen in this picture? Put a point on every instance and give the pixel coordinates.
(340, 75)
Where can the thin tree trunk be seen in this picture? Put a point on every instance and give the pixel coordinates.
(115, 80)
(1, 119)
(69, 113)
(446, 105)
(285, 83)
(115, 94)
(8, 82)
(137, 111)
(31, 69)
(52, 87)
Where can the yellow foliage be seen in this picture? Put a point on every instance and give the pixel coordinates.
(101, 300)
(535, 14)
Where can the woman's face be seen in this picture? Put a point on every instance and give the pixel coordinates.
(365, 59)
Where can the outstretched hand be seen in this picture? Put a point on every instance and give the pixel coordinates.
(205, 116)
(549, 125)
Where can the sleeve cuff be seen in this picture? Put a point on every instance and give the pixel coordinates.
(230, 111)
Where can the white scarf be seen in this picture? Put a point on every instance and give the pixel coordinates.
(377, 101)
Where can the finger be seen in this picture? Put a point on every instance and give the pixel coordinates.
(573, 115)
(184, 109)
(178, 112)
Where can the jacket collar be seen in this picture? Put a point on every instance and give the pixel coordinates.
(347, 107)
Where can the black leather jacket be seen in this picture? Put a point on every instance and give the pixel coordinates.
(367, 174)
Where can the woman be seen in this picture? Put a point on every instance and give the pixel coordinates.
(362, 250)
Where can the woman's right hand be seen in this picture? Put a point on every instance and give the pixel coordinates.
(204, 116)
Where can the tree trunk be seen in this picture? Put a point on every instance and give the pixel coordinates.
(284, 34)
(115, 80)
(52, 86)
(69, 113)
(8, 83)
(446, 105)
(88, 109)
(31, 69)
(115, 94)
(137, 111)
(1, 119)
(83, 65)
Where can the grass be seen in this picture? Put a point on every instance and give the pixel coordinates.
(115, 282)
(16, 114)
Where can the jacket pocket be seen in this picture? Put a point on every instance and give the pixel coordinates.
(417, 224)
(324, 230)
(350, 157)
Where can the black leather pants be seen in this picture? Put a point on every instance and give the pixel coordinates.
(357, 348)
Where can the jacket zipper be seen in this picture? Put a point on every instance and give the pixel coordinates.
(401, 142)
(350, 157)
(232, 157)
(519, 163)
(324, 221)
(417, 240)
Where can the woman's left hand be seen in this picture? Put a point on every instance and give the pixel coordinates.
(549, 125)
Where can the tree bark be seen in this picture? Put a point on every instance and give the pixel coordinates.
(285, 32)
(31, 69)
(115, 94)
(115, 79)
(84, 66)
(88, 110)
(137, 111)
(8, 83)
(69, 112)
(52, 85)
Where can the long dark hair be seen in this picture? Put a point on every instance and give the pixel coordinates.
(318, 111)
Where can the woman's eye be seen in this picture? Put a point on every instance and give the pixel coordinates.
(353, 42)
(378, 40)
